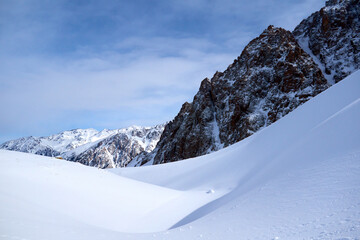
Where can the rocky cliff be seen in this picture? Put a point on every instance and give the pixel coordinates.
(272, 76)
(332, 37)
(275, 73)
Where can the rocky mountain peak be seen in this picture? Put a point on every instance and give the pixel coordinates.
(331, 36)
(332, 3)
(271, 30)
(272, 76)
(205, 85)
(275, 73)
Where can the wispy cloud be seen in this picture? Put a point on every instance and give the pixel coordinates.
(67, 64)
(147, 81)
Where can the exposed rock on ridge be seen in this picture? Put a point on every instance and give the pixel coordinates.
(332, 36)
(271, 77)
(274, 74)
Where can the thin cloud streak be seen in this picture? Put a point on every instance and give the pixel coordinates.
(66, 64)
(143, 83)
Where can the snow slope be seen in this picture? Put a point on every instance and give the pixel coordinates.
(296, 179)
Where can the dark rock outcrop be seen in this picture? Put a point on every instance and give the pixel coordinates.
(275, 73)
(271, 77)
(332, 36)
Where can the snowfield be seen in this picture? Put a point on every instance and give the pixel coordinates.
(296, 179)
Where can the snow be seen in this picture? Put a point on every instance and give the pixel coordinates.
(215, 135)
(80, 149)
(74, 138)
(72, 141)
(296, 179)
(75, 142)
(334, 5)
(89, 195)
(304, 44)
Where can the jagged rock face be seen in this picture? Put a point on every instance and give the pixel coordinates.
(119, 149)
(189, 134)
(332, 35)
(181, 137)
(107, 148)
(272, 76)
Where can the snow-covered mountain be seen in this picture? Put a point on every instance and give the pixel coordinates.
(57, 144)
(295, 179)
(106, 148)
(118, 149)
(276, 72)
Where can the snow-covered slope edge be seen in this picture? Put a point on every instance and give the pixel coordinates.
(299, 176)
(296, 179)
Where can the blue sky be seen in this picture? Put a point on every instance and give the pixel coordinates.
(112, 64)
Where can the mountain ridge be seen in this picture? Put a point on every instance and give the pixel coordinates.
(271, 77)
(323, 49)
(86, 145)
(275, 73)
(331, 36)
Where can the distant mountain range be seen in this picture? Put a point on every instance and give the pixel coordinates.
(106, 148)
(275, 73)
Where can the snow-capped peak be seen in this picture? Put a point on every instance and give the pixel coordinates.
(75, 144)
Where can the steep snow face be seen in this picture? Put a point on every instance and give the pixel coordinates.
(298, 178)
(271, 77)
(332, 36)
(107, 148)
